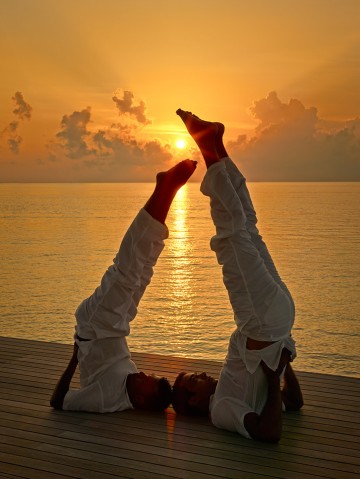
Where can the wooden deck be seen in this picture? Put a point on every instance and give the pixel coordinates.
(322, 441)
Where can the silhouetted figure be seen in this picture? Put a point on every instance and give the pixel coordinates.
(247, 398)
(109, 378)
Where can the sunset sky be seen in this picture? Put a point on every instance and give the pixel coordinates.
(89, 89)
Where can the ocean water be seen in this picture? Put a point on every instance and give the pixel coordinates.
(56, 240)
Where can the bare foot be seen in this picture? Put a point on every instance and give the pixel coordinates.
(167, 184)
(189, 119)
(177, 176)
(203, 132)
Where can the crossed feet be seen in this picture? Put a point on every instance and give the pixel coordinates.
(207, 135)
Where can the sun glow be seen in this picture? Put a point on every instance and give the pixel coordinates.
(180, 143)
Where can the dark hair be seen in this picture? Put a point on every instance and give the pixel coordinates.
(181, 397)
(161, 400)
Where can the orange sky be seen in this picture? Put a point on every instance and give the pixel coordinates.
(89, 90)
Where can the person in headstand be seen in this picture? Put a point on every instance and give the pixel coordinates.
(248, 397)
(109, 378)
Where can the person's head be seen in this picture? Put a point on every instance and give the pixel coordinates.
(147, 391)
(191, 393)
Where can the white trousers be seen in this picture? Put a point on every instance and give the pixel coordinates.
(262, 304)
(109, 310)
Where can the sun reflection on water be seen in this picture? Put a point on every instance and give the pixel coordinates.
(180, 265)
(179, 247)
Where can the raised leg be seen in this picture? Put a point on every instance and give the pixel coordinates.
(262, 309)
(109, 310)
(194, 124)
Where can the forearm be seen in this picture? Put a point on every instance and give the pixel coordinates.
(268, 425)
(291, 392)
(63, 385)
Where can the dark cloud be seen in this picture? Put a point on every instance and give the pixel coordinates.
(121, 147)
(12, 127)
(14, 143)
(10, 132)
(12, 138)
(274, 115)
(124, 158)
(101, 140)
(290, 143)
(125, 106)
(117, 144)
(23, 109)
(74, 133)
(115, 152)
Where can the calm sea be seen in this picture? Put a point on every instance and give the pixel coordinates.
(56, 240)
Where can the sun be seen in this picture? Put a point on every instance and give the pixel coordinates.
(180, 143)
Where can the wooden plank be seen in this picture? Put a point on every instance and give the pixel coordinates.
(134, 430)
(322, 441)
(110, 437)
(108, 452)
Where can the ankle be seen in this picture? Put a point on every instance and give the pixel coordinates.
(221, 151)
(159, 203)
(210, 157)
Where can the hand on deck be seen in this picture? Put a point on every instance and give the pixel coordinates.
(63, 385)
